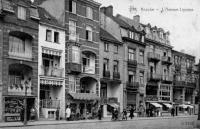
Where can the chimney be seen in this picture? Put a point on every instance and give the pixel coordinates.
(107, 10)
(136, 19)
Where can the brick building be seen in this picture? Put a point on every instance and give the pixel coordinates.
(184, 83)
(18, 58)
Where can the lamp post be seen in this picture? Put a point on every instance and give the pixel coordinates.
(25, 104)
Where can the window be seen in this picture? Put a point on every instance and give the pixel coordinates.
(89, 33)
(72, 6)
(72, 30)
(165, 92)
(21, 13)
(141, 77)
(105, 64)
(115, 66)
(142, 57)
(116, 49)
(131, 35)
(75, 54)
(137, 36)
(131, 54)
(56, 37)
(131, 76)
(48, 35)
(106, 47)
(72, 84)
(89, 13)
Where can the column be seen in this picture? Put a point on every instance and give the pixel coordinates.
(171, 93)
(105, 110)
(183, 95)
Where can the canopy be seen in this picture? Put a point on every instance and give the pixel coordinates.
(183, 106)
(168, 105)
(84, 96)
(113, 105)
(156, 105)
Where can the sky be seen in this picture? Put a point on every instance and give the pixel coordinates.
(180, 17)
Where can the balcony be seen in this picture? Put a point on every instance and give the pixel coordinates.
(18, 55)
(151, 98)
(166, 60)
(152, 56)
(106, 74)
(73, 68)
(178, 67)
(132, 63)
(191, 84)
(89, 69)
(179, 83)
(132, 85)
(167, 79)
(154, 77)
(116, 75)
(48, 103)
(189, 69)
(52, 71)
(7, 6)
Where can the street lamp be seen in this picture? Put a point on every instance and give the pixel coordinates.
(25, 103)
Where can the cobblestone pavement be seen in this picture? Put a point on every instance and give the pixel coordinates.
(137, 123)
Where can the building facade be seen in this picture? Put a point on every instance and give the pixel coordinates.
(111, 53)
(51, 66)
(184, 84)
(19, 58)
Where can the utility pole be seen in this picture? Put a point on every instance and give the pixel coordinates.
(25, 104)
(199, 91)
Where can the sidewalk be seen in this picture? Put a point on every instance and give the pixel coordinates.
(56, 122)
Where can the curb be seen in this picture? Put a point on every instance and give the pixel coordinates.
(93, 121)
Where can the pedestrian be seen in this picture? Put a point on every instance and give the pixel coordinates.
(131, 113)
(22, 114)
(57, 114)
(77, 113)
(172, 111)
(124, 115)
(99, 113)
(68, 113)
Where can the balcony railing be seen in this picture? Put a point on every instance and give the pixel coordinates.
(116, 75)
(7, 6)
(132, 63)
(89, 69)
(151, 98)
(191, 84)
(167, 78)
(179, 83)
(27, 55)
(153, 56)
(52, 71)
(132, 85)
(154, 76)
(48, 103)
(189, 69)
(106, 74)
(166, 60)
(73, 67)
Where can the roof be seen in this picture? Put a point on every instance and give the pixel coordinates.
(107, 36)
(45, 17)
(84, 96)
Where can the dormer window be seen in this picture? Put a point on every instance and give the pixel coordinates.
(21, 13)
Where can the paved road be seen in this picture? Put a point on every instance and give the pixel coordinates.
(157, 123)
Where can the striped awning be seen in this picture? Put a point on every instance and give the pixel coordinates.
(84, 96)
(156, 105)
(51, 82)
(50, 51)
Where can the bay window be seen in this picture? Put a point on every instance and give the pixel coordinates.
(75, 54)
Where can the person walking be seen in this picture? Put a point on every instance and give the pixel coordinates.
(99, 113)
(57, 114)
(172, 111)
(68, 113)
(131, 113)
(124, 115)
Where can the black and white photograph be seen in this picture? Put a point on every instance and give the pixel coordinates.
(100, 64)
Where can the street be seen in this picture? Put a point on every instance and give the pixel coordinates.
(137, 123)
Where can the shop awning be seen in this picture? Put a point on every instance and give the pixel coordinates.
(168, 105)
(190, 106)
(84, 96)
(113, 105)
(183, 106)
(156, 105)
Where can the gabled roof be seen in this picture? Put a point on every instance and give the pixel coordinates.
(104, 35)
(45, 17)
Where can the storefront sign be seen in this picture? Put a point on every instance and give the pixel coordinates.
(112, 100)
(151, 98)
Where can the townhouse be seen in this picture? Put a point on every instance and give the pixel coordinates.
(184, 84)
(19, 58)
(51, 66)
